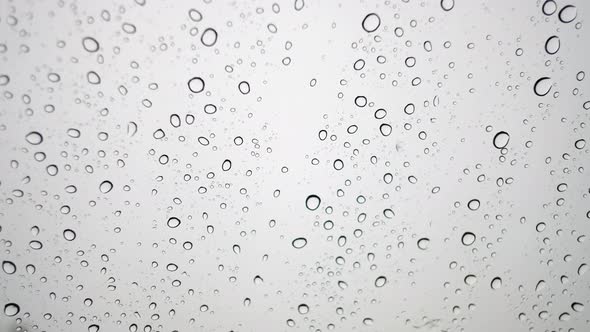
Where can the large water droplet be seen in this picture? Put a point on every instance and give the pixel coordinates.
(501, 139)
(105, 186)
(423, 243)
(542, 86)
(496, 283)
(371, 22)
(299, 243)
(196, 85)
(8, 267)
(11, 309)
(312, 202)
(34, 138)
(468, 238)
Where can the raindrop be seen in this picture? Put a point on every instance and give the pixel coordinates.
(423, 243)
(568, 13)
(303, 309)
(244, 87)
(552, 45)
(69, 235)
(34, 138)
(196, 85)
(90, 44)
(501, 140)
(11, 309)
(496, 283)
(299, 243)
(173, 222)
(8, 267)
(380, 281)
(468, 238)
(447, 4)
(542, 86)
(312, 202)
(105, 186)
(209, 37)
(473, 204)
(371, 22)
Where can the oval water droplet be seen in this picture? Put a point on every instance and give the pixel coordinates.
(196, 84)
(496, 283)
(552, 45)
(423, 243)
(473, 204)
(542, 86)
(69, 235)
(299, 243)
(447, 5)
(105, 186)
(568, 13)
(371, 22)
(501, 140)
(380, 281)
(34, 138)
(468, 238)
(11, 309)
(209, 37)
(312, 202)
(8, 267)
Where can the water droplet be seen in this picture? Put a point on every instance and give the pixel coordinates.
(371, 22)
(34, 138)
(380, 281)
(501, 139)
(11, 309)
(473, 204)
(423, 243)
(496, 283)
(470, 279)
(69, 234)
(244, 87)
(299, 243)
(90, 44)
(8, 267)
(226, 165)
(303, 309)
(568, 13)
(542, 86)
(105, 186)
(209, 37)
(447, 5)
(468, 238)
(312, 202)
(552, 45)
(173, 222)
(549, 7)
(196, 85)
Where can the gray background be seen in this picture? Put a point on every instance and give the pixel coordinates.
(473, 84)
